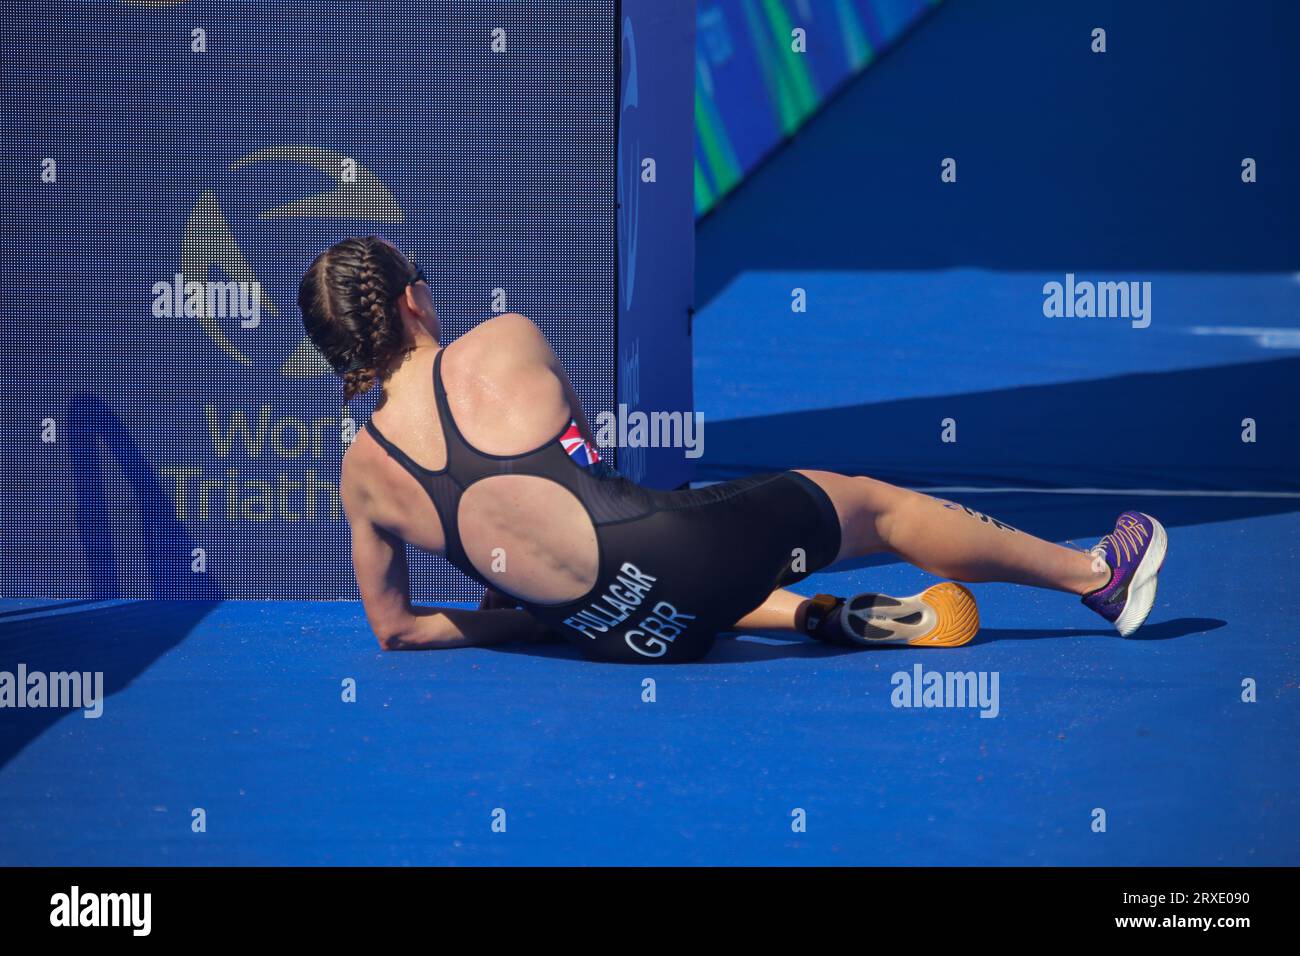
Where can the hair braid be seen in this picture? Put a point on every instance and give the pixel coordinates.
(348, 300)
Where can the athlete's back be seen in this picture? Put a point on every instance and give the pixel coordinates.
(507, 395)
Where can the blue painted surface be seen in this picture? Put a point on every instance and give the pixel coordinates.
(244, 719)
(863, 380)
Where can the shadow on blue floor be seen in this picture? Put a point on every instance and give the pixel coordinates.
(1177, 430)
(121, 640)
(747, 648)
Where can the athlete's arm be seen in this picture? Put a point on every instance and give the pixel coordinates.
(379, 560)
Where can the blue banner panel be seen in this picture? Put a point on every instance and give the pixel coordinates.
(763, 67)
(172, 169)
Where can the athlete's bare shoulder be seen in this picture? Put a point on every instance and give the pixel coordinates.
(376, 490)
(510, 335)
(360, 462)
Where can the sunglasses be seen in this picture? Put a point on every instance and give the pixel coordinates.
(419, 273)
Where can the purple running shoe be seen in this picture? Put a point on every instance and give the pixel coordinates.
(1134, 552)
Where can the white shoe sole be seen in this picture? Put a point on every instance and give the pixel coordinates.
(943, 615)
(1142, 589)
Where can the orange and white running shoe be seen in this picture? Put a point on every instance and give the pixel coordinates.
(943, 615)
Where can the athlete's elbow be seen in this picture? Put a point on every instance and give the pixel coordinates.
(425, 632)
(394, 636)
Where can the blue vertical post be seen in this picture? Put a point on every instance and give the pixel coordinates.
(656, 227)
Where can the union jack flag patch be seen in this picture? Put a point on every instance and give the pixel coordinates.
(577, 447)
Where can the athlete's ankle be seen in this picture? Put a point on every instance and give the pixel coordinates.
(1094, 577)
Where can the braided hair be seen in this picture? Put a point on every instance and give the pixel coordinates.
(348, 299)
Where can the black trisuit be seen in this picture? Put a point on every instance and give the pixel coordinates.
(675, 567)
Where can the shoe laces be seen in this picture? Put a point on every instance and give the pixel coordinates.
(1129, 536)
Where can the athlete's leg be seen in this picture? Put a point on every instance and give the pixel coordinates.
(942, 615)
(949, 540)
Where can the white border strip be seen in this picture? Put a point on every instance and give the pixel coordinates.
(58, 608)
(1135, 492)
(1131, 492)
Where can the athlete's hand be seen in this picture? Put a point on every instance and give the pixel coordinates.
(534, 632)
(494, 600)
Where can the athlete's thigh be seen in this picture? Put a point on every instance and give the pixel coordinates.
(861, 504)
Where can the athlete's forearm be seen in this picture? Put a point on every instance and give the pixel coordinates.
(438, 628)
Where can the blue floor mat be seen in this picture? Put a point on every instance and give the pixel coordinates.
(243, 716)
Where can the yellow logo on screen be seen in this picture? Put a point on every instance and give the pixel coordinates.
(210, 247)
